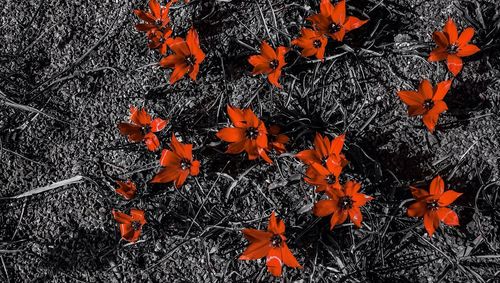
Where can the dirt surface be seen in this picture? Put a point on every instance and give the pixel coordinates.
(70, 69)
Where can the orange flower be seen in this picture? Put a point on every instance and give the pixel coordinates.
(126, 189)
(432, 205)
(186, 58)
(178, 164)
(270, 244)
(452, 47)
(155, 20)
(160, 40)
(276, 140)
(269, 62)
(332, 20)
(428, 101)
(343, 203)
(142, 128)
(324, 178)
(130, 225)
(324, 150)
(249, 134)
(312, 43)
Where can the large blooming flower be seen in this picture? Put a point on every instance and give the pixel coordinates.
(452, 47)
(433, 205)
(269, 62)
(126, 189)
(427, 101)
(178, 164)
(332, 20)
(343, 203)
(270, 244)
(313, 43)
(186, 58)
(155, 20)
(248, 134)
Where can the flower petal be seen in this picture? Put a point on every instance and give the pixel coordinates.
(448, 197)
(454, 64)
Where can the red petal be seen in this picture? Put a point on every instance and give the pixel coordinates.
(288, 258)
(467, 50)
(274, 262)
(166, 175)
(353, 23)
(440, 39)
(442, 89)
(448, 216)
(133, 132)
(437, 55)
(276, 226)
(325, 207)
(431, 222)
(448, 197)
(465, 36)
(425, 89)
(417, 209)
(450, 29)
(338, 13)
(411, 98)
(274, 76)
(267, 51)
(231, 134)
(454, 64)
(356, 216)
(151, 141)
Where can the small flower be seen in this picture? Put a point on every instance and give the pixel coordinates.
(313, 43)
(142, 128)
(324, 177)
(269, 62)
(428, 101)
(248, 134)
(186, 58)
(452, 47)
(270, 244)
(160, 40)
(276, 140)
(178, 164)
(155, 20)
(332, 20)
(126, 189)
(130, 225)
(324, 149)
(343, 203)
(432, 205)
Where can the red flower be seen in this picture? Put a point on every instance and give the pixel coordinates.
(432, 205)
(324, 149)
(142, 128)
(428, 101)
(324, 178)
(452, 47)
(186, 58)
(343, 203)
(178, 164)
(312, 43)
(249, 134)
(269, 62)
(160, 40)
(126, 189)
(270, 244)
(156, 20)
(332, 20)
(276, 140)
(130, 225)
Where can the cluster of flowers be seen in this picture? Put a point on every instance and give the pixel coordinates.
(330, 22)
(247, 133)
(428, 101)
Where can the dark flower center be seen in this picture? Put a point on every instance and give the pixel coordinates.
(162, 40)
(136, 225)
(317, 43)
(433, 205)
(276, 241)
(252, 133)
(145, 129)
(345, 202)
(331, 179)
(190, 60)
(334, 28)
(323, 160)
(185, 164)
(274, 64)
(428, 104)
(158, 22)
(452, 49)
